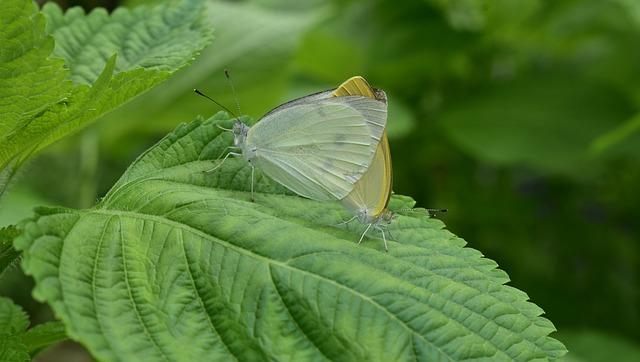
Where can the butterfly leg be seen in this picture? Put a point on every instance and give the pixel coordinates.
(225, 150)
(365, 233)
(390, 234)
(346, 222)
(224, 159)
(384, 238)
(225, 129)
(253, 199)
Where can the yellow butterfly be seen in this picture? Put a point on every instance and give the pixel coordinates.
(369, 198)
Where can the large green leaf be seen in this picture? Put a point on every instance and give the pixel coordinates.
(47, 94)
(178, 264)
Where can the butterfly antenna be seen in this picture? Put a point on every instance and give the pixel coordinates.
(432, 212)
(233, 90)
(216, 102)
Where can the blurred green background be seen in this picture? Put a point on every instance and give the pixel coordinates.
(520, 117)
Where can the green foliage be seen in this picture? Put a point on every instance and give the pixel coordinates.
(51, 89)
(8, 255)
(524, 121)
(589, 345)
(532, 122)
(16, 342)
(178, 264)
(519, 117)
(32, 85)
(12, 319)
(255, 43)
(48, 93)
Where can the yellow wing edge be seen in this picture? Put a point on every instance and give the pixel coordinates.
(357, 85)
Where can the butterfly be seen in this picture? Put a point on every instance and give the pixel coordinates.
(317, 146)
(370, 196)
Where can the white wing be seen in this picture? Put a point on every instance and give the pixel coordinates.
(321, 148)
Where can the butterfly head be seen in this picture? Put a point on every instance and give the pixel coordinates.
(240, 130)
(387, 216)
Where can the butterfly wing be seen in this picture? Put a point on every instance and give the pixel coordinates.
(356, 86)
(319, 148)
(370, 196)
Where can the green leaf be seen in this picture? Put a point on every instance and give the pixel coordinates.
(8, 255)
(163, 37)
(30, 81)
(43, 102)
(13, 319)
(43, 335)
(548, 122)
(12, 349)
(617, 135)
(597, 346)
(16, 342)
(257, 50)
(178, 264)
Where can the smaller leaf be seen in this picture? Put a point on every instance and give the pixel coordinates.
(40, 106)
(8, 254)
(12, 349)
(617, 135)
(162, 37)
(42, 336)
(13, 319)
(31, 82)
(16, 341)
